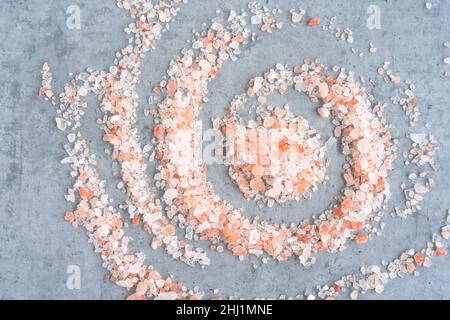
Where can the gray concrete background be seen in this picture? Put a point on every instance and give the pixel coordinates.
(37, 245)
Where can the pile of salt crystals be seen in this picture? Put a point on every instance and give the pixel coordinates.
(276, 158)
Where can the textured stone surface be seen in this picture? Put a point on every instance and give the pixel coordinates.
(37, 245)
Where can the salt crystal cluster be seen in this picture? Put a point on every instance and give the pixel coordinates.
(277, 158)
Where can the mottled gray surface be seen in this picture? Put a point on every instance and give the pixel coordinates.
(37, 245)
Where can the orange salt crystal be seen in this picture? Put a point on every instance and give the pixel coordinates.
(85, 193)
(300, 148)
(301, 187)
(440, 251)
(257, 184)
(157, 90)
(324, 227)
(69, 216)
(304, 238)
(136, 220)
(158, 131)
(168, 230)
(357, 225)
(337, 288)
(352, 103)
(84, 174)
(238, 38)
(171, 86)
(81, 213)
(141, 288)
(146, 27)
(337, 212)
(346, 205)
(283, 145)
(257, 170)
(239, 251)
(125, 156)
(313, 22)
(276, 125)
(154, 275)
(361, 238)
(419, 258)
(380, 184)
(117, 222)
(410, 267)
(206, 41)
(187, 114)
